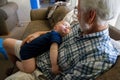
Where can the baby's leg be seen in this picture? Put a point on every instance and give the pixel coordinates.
(27, 66)
(9, 45)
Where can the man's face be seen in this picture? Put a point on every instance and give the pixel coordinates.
(82, 18)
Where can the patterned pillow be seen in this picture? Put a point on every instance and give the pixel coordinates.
(53, 8)
(51, 11)
(58, 15)
(71, 17)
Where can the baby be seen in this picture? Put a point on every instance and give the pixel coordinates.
(49, 41)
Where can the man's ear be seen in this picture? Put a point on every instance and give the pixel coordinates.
(92, 16)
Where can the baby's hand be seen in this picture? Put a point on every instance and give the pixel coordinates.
(55, 69)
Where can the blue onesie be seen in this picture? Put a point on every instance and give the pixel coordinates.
(39, 45)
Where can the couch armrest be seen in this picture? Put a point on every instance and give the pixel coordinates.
(113, 73)
(39, 14)
(114, 32)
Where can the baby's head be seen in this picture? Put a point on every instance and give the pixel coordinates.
(62, 27)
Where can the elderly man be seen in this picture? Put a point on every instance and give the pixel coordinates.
(87, 51)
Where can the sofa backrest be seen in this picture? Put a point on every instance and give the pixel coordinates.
(58, 14)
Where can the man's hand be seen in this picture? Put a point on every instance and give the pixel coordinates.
(55, 69)
(33, 36)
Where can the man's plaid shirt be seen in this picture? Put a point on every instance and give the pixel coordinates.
(81, 57)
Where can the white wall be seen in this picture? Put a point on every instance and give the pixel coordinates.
(73, 2)
(117, 9)
(23, 11)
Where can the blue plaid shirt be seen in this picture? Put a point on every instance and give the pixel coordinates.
(81, 57)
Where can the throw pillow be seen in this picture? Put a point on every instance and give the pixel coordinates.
(53, 8)
(51, 11)
(58, 15)
(71, 17)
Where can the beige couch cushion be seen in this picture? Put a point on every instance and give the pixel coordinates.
(113, 73)
(34, 26)
(114, 32)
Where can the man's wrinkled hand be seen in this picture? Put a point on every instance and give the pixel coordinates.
(30, 38)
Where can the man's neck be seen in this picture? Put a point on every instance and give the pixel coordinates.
(94, 29)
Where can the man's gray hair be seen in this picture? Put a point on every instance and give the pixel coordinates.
(105, 9)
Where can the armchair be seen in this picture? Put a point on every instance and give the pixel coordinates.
(8, 16)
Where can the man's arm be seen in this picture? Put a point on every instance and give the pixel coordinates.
(53, 58)
(84, 71)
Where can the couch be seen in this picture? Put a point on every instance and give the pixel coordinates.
(41, 22)
(8, 17)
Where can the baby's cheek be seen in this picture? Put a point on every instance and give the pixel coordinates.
(68, 30)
